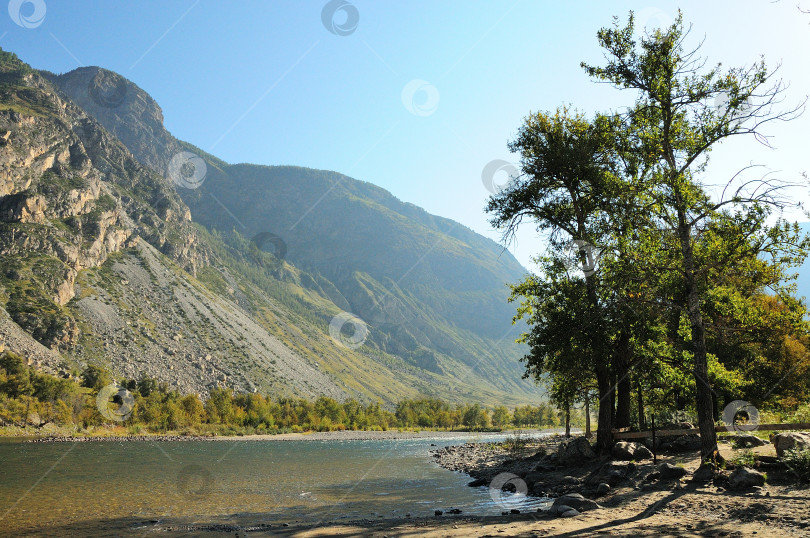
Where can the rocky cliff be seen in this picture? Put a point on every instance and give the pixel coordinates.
(105, 261)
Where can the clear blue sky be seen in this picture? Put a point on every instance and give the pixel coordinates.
(266, 82)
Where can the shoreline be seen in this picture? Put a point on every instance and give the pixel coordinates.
(342, 435)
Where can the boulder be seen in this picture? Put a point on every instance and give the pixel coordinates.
(575, 451)
(603, 488)
(570, 513)
(575, 501)
(746, 440)
(560, 509)
(743, 478)
(685, 443)
(569, 481)
(623, 450)
(789, 440)
(642, 453)
(667, 471)
(611, 473)
(704, 473)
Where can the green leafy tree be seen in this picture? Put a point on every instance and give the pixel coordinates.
(673, 127)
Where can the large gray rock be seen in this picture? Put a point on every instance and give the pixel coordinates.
(685, 443)
(704, 473)
(789, 440)
(625, 450)
(747, 440)
(575, 451)
(575, 501)
(743, 478)
(668, 471)
(611, 473)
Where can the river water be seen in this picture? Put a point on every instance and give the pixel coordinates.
(56, 488)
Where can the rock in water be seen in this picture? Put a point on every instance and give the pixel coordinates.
(745, 478)
(786, 441)
(575, 451)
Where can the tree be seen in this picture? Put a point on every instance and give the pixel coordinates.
(673, 127)
(564, 187)
(500, 416)
(96, 377)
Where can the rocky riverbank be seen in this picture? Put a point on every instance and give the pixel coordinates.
(118, 438)
(673, 497)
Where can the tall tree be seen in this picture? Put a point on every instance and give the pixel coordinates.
(673, 126)
(564, 182)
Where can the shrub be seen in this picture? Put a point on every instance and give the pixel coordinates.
(798, 461)
(746, 458)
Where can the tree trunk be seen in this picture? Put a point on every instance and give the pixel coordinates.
(604, 433)
(700, 366)
(568, 420)
(623, 386)
(588, 416)
(642, 423)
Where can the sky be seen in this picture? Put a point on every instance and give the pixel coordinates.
(417, 97)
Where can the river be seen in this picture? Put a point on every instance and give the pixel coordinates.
(57, 488)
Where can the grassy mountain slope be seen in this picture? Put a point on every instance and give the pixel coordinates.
(432, 291)
(103, 264)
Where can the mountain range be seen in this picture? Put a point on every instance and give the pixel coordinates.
(125, 247)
